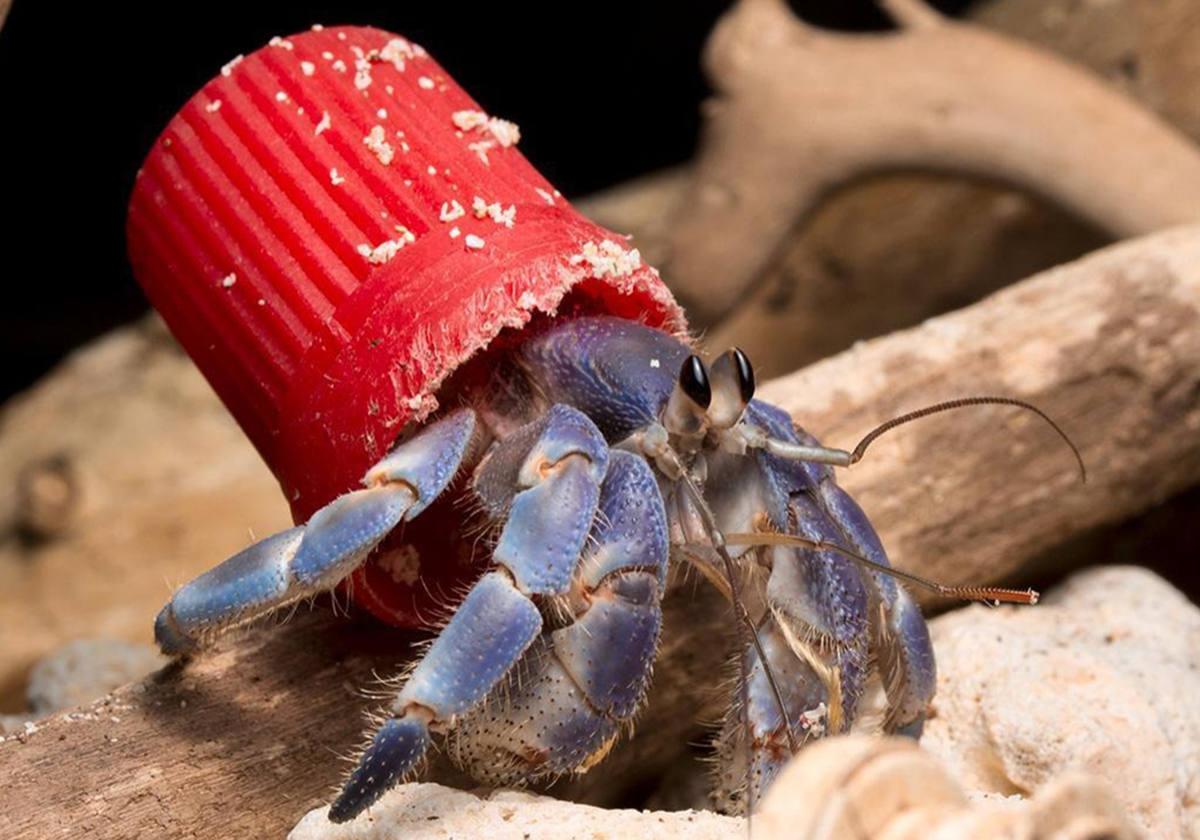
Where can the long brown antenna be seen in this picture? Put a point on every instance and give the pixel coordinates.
(861, 449)
(986, 594)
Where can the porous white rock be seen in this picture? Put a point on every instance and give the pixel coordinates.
(1102, 677)
(429, 811)
(86, 669)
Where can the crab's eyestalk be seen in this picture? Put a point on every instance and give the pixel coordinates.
(687, 408)
(732, 380)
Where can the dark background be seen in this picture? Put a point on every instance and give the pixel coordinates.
(85, 88)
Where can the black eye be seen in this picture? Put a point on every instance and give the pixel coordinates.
(745, 374)
(693, 379)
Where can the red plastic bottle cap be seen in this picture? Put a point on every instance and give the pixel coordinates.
(330, 227)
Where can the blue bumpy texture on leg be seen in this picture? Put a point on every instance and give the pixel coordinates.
(563, 706)
(489, 632)
(312, 558)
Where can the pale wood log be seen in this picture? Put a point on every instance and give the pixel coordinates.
(936, 95)
(243, 742)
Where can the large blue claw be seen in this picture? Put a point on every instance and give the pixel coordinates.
(395, 749)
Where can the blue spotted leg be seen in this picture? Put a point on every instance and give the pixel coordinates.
(566, 703)
(825, 621)
(315, 557)
(545, 480)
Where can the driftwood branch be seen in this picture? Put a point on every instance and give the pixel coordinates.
(935, 95)
(245, 741)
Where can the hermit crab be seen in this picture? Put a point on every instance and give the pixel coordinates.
(386, 295)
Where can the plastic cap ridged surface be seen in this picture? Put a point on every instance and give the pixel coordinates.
(331, 226)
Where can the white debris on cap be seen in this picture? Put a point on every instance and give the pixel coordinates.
(502, 132)
(506, 132)
(469, 120)
(228, 280)
(318, 27)
(608, 259)
(425, 82)
(307, 68)
(362, 69)
(213, 107)
(281, 42)
(431, 169)
(381, 113)
(494, 212)
(323, 124)
(451, 210)
(227, 70)
(549, 199)
(455, 233)
(387, 249)
(280, 96)
(474, 242)
(481, 148)
(376, 143)
(327, 55)
(336, 179)
(398, 50)
(339, 66)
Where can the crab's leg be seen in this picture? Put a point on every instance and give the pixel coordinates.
(556, 465)
(744, 771)
(316, 556)
(561, 710)
(900, 634)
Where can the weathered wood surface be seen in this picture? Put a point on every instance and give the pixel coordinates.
(934, 95)
(243, 742)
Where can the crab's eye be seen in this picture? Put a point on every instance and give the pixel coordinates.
(686, 409)
(732, 388)
(693, 380)
(745, 373)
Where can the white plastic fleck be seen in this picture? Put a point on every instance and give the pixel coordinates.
(450, 211)
(425, 82)
(307, 68)
(608, 259)
(228, 280)
(323, 124)
(473, 242)
(227, 70)
(379, 146)
(384, 251)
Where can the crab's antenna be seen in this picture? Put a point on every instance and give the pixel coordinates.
(963, 402)
(845, 458)
(987, 594)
